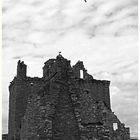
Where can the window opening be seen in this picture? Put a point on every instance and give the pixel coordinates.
(115, 126)
(81, 74)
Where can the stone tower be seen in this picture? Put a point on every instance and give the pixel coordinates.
(67, 103)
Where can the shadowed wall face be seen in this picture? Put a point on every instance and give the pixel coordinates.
(64, 124)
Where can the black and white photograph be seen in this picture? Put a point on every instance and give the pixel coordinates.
(70, 70)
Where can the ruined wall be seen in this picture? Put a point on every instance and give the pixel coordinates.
(12, 103)
(95, 120)
(99, 89)
(62, 105)
(20, 89)
(37, 122)
(65, 126)
(52, 105)
(19, 93)
(18, 101)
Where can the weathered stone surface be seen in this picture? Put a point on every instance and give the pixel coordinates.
(62, 105)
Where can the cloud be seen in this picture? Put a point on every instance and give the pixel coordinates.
(38, 22)
(101, 33)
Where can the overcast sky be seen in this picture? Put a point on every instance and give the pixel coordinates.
(102, 34)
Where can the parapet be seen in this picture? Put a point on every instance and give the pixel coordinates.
(79, 71)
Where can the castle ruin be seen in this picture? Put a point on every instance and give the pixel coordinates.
(67, 103)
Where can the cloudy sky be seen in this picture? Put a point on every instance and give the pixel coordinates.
(101, 33)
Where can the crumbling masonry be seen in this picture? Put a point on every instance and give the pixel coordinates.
(67, 103)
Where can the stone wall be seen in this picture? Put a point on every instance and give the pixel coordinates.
(17, 105)
(62, 105)
(4, 136)
(20, 89)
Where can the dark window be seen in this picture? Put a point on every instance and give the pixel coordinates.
(20, 126)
